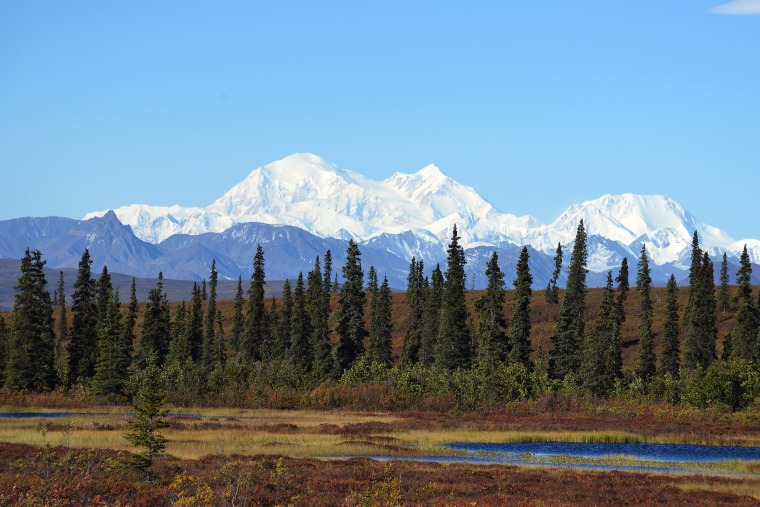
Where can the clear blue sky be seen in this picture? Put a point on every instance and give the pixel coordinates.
(538, 105)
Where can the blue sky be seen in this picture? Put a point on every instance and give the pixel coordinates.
(538, 105)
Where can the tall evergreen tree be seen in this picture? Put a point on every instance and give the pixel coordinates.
(519, 328)
(646, 360)
(324, 361)
(62, 334)
(320, 337)
(29, 363)
(433, 302)
(622, 292)
(454, 346)
(702, 328)
(285, 314)
(724, 299)
(744, 335)
(104, 295)
(552, 292)
(156, 333)
(209, 329)
(492, 326)
(379, 342)
(601, 346)
(112, 366)
(694, 273)
(670, 361)
(179, 347)
(238, 321)
(566, 355)
(300, 329)
(83, 344)
(415, 301)
(131, 320)
(195, 324)
(256, 331)
(351, 330)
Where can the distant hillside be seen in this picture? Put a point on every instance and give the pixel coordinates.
(176, 290)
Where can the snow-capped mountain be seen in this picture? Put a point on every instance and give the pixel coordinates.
(412, 215)
(305, 191)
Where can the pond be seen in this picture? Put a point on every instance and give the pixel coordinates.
(657, 458)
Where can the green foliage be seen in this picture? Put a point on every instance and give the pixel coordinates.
(111, 368)
(60, 360)
(454, 346)
(380, 325)
(743, 344)
(82, 347)
(3, 349)
(601, 347)
(319, 314)
(209, 348)
(520, 326)
(156, 334)
(300, 328)
(148, 419)
(551, 295)
(645, 360)
(238, 321)
(734, 383)
(416, 299)
(365, 371)
(351, 330)
(670, 361)
(256, 333)
(701, 325)
(29, 363)
(490, 308)
(566, 355)
(622, 291)
(724, 299)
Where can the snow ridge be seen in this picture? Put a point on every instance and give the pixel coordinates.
(307, 192)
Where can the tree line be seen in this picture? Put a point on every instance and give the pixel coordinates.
(95, 343)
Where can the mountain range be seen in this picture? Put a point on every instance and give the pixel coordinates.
(302, 205)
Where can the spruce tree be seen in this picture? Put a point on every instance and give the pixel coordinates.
(29, 363)
(701, 328)
(83, 344)
(520, 326)
(285, 314)
(622, 291)
(195, 324)
(379, 342)
(566, 355)
(351, 330)
(744, 335)
(724, 299)
(694, 271)
(112, 366)
(601, 347)
(552, 292)
(433, 301)
(320, 333)
(670, 361)
(155, 333)
(62, 334)
(149, 419)
(238, 321)
(131, 320)
(104, 294)
(300, 329)
(256, 332)
(209, 330)
(454, 346)
(645, 360)
(492, 326)
(179, 348)
(324, 361)
(415, 301)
